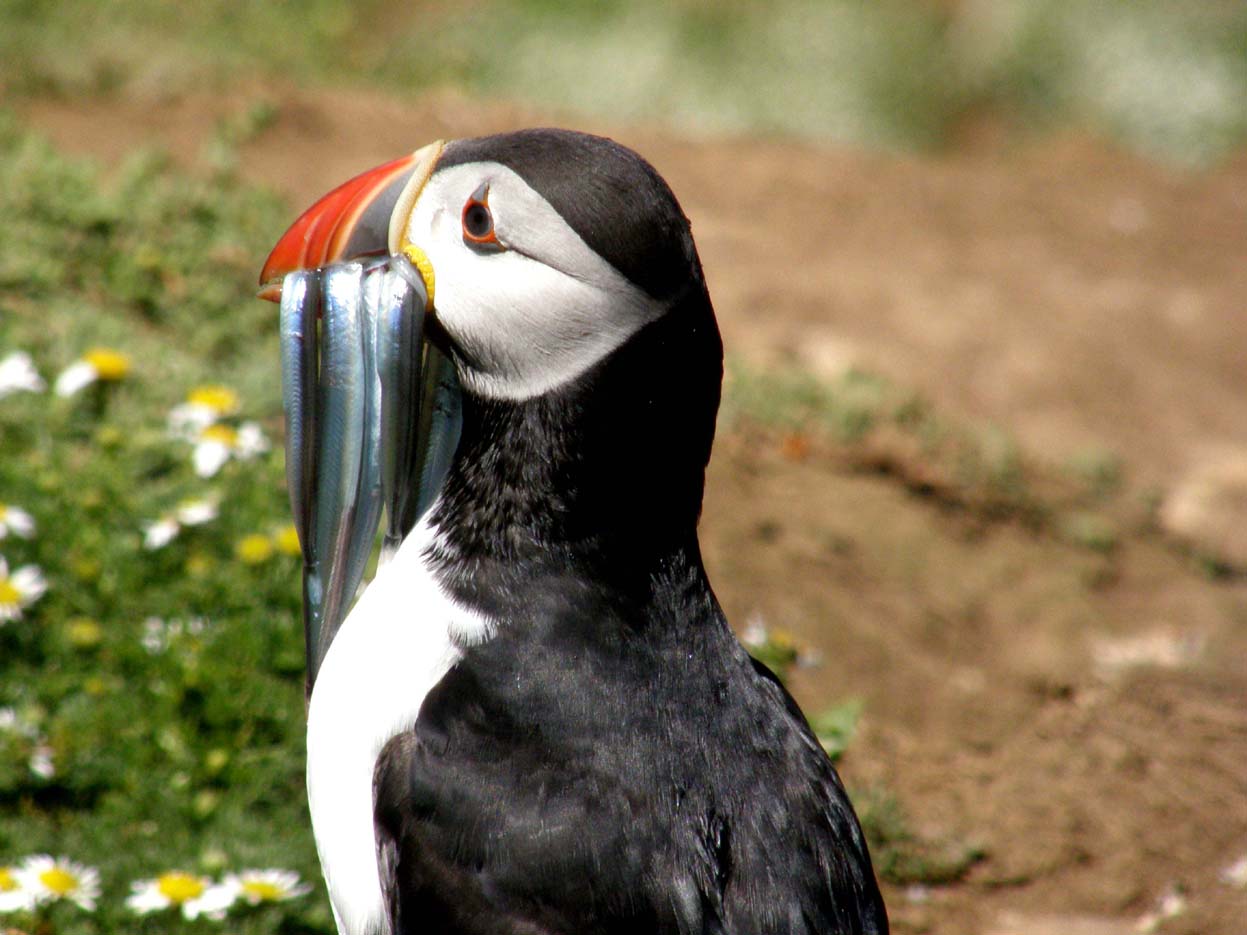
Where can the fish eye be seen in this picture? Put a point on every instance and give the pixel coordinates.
(478, 220)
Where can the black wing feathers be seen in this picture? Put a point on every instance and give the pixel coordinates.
(700, 806)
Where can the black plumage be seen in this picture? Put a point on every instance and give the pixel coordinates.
(610, 760)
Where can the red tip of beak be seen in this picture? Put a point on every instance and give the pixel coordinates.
(321, 233)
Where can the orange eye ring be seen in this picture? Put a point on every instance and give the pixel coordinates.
(478, 220)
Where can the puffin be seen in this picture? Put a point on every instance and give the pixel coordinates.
(535, 718)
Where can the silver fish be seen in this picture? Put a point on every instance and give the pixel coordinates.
(339, 448)
(367, 509)
(400, 332)
(300, 307)
(373, 417)
(441, 422)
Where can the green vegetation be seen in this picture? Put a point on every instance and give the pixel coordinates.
(151, 710)
(835, 726)
(869, 424)
(848, 408)
(901, 854)
(1164, 78)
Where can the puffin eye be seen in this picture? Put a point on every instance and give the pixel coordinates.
(478, 221)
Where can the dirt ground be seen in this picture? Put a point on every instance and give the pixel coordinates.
(1081, 716)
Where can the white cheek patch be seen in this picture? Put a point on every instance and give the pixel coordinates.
(537, 314)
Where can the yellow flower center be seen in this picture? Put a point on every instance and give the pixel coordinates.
(254, 549)
(4, 511)
(263, 890)
(179, 887)
(198, 565)
(58, 880)
(7, 882)
(220, 399)
(108, 364)
(225, 434)
(10, 596)
(84, 632)
(287, 540)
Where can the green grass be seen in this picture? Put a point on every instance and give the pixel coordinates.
(185, 753)
(848, 408)
(1160, 77)
(867, 423)
(901, 854)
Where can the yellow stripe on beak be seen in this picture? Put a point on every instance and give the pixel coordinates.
(425, 159)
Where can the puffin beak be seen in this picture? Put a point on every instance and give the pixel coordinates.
(363, 217)
(373, 411)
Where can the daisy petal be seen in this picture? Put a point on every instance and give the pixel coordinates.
(18, 374)
(160, 533)
(209, 457)
(17, 521)
(75, 378)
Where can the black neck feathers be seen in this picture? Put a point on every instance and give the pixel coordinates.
(600, 479)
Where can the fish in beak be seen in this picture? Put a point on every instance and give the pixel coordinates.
(373, 408)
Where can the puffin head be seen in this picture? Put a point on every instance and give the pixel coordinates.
(558, 276)
(542, 250)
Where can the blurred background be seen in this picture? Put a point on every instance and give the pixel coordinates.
(980, 490)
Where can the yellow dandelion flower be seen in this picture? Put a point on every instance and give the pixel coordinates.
(110, 365)
(287, 540)
(254, 549)
(220, 399)
(84, 632)
(198, 564)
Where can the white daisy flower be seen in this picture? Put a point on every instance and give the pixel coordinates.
(13, 896)
(12, 720)
(101, 364)
(197, 512)
(18, 374)
(155, 638)
(218, 443)
(1236, 873)
(17, 521)
(54, 878)
(1170, 905)
(158, 534)
(755, 634)
(158, 634)
(76, 377)
(196, 896)
(266, 886)
(19, 590)
(204, 406)
(41, 762)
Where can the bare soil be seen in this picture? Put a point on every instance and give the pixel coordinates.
(1080, 715)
